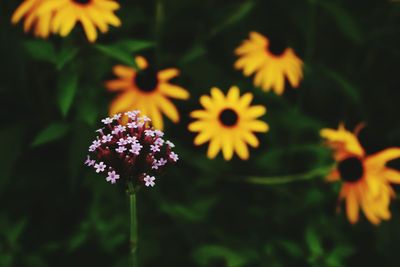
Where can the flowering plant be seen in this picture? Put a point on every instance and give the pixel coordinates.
(130, 149)
(134, 152)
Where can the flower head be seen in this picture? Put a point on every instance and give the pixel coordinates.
(100, 167)
(365, 178)
(89, 162)
(270, 67)
(45, 17)
(82, 12)
(106, 138)
(149, 180)
(228, 122)
(148, 90)
(112, 177)
(129, 153)
(107, 120)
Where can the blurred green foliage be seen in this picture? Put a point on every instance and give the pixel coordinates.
(204, 212)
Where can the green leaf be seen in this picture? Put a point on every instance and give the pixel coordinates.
(134, 45)
(67, 87)
(11, 141)
(194, 212)
(51, 133)
(117, 54)
(66, 55)
(313, 242)
(286, 179)
(40, 50)
(235, 14)
(292, 248)
(123, 50)
(344, 21)
(87, 108)
(348, 88)
(205, 254)
(194, 53)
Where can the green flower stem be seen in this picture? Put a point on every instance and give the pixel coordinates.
(287, 179)
(133, 226)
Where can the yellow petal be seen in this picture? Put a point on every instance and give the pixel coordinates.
(258, 38)
(122, 102)
(245, 100)
(233, 94)
(118, 85)
(250, 138)
(227, 147)
(109, 5)
(203, 137)
(155, 116)
(206, 102)
(241, 148)
(168, 108)
(198, 126)
(167, 74)
(369, 213)
(352, 207)
(200, 114)
(217, 95)
(257, 126)
(343, 141)
(21, 11)
(174, 91)
(254, 112)
(43, 26)
(89, 28)
(214, 147)
(141, 62)
(392, 175)
(123, 71)
(279, 82)
(98, 19)
(380, 159)
(112, 19)
(333, 176)
(69, 21)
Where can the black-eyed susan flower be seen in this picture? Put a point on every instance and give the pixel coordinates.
(228, 123)
(146, 90)
(134, 152)
(365, 178)
(91, 14)
(39, 24)
(270, 69)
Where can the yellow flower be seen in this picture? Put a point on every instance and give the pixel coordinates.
(228, 122)
(91, 14)
(147, 90)
(365, 178)
(32, 21)
(256, 57)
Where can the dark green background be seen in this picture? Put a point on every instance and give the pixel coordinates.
(56, 212)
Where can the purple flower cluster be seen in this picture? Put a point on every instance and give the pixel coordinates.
(134, 151)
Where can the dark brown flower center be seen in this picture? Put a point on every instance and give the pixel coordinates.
(146, 80)
(276, 47)
(228, 117)
(82, 2)
(351, 169)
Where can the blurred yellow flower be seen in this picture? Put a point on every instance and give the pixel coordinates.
(147, 90)
(32, 21)
(228, 122)
(366, 179)
(91, 14)
(270, 70)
